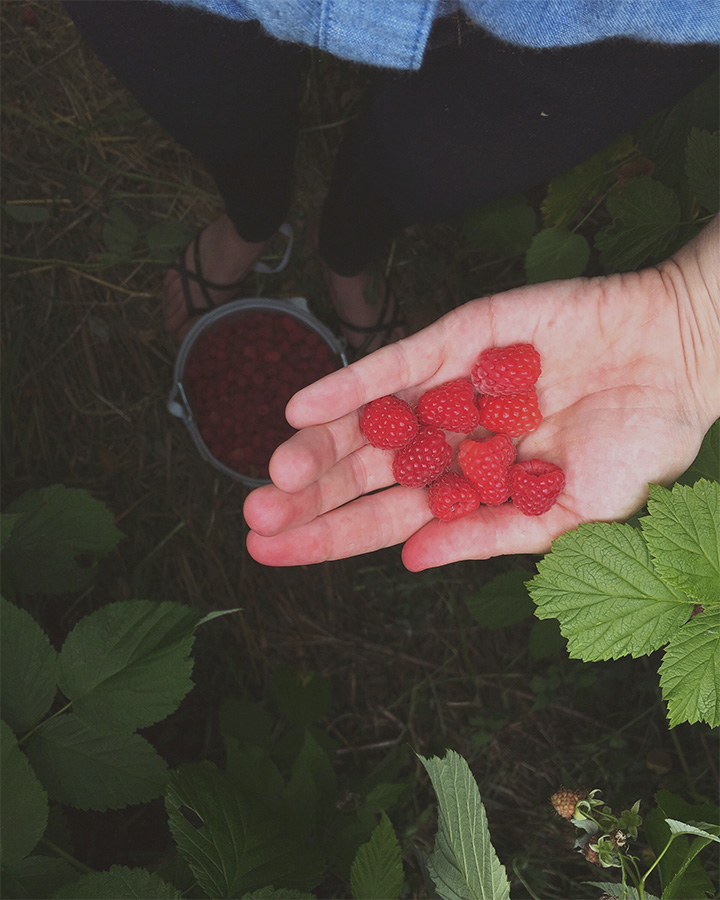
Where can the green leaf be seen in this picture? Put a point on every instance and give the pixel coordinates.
(502, 601)
(707, 463)
(690, 672)
(253, 771)
(36, 878)
(618, 892)
(230, 842)
(27, 213)
(166, 239)
(87, 769)
(663, 137)
(120, 233)
(377, 870)
(699, 829)
(128, 664)
(463, 865)
(27, 669)
(545, 639)
(646, 217)
(556, 253)
(24, 808)
(271, 893)
(701, 167)
(246, 722)
(119, 883)
(302, 697)
(600, 583)
(56, 545)
(567, 193)
(682, 530)
(504, 227)
(311, 791)
(7, 524)
(681, 874)
(383, 797)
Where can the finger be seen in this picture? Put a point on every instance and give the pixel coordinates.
(367, 524)
(390, 370)
(269, 511)
(490, 531)
(307, 455)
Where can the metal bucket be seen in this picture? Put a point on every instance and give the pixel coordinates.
(179, 403)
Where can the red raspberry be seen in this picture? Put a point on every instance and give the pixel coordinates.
(564, 801)
(506, 370)
(424, 460)
(535, 485)
(450, 406)
(388, 423)
(485, 463)
(452, 496)
(515, 414)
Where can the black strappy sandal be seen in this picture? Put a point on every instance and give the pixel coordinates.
(381, 329)
(186, 276)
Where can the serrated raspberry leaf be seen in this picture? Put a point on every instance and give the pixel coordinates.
(690, 672)
(600, 583)
(682, 530)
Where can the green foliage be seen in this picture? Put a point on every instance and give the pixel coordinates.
(638, 199)
(690, 671)
(707, 463)
(36, 878)
(56, 544)
(377, 871)
(27, 669)
(504, 227)
(600, 583)
(567, 193)
(463, 865)
(681, 874)
(556, 253)
(120, 233)
(302, 697)
(618, 590)
(682, 532)
(119, 883)
(128, 664)
(26, 213)
(91, 769)
(701, 167)
(500, 602)
(645, 222)
(230, 842)
(24, 809)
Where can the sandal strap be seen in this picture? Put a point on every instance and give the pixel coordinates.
(384, 329)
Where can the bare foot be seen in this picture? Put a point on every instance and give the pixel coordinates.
(359, 299)
(225, 258)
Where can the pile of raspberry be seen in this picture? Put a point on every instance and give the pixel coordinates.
(240, 376)
(499, 396)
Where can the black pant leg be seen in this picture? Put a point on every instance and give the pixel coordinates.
(225, 90)
(483, 120)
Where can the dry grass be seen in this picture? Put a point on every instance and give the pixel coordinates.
(86, 371)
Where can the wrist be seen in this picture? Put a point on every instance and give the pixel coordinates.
(692, 276)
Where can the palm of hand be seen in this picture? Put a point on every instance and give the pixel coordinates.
(619, 413)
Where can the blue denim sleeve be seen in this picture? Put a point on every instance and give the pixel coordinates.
(563, 23)
(394, 33)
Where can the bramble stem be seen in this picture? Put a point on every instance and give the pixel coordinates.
(66, 856)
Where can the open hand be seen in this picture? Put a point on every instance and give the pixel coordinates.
(624, 394)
